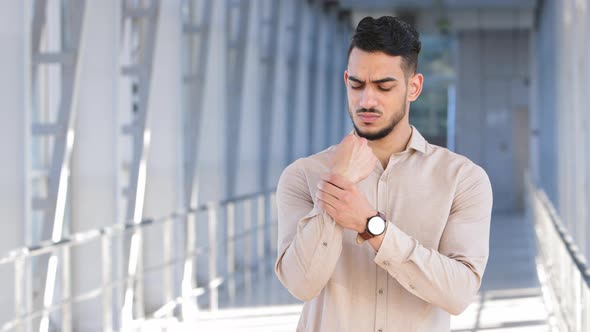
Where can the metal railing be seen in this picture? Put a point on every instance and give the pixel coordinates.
(563, 270)
(256, 234)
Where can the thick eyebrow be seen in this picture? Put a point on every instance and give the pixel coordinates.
(382, 80)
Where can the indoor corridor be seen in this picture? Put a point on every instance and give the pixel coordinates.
(143, 140)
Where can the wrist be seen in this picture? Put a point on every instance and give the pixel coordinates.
(340, 175)
(362, 226)
(375, 227)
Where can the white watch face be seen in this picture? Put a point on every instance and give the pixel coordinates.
(376, 226)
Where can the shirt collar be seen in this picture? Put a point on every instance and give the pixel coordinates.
(417, 141)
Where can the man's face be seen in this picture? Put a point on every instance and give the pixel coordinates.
(378, 92)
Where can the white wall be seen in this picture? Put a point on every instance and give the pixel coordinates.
(492, 85)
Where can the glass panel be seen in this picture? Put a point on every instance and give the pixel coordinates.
(429, 113)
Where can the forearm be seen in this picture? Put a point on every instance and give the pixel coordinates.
(306, 263)
(447, 282)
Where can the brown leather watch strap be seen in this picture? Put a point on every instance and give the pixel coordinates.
(366, 235)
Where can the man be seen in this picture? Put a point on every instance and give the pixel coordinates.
(383, 232)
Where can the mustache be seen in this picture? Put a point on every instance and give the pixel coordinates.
(370, 110)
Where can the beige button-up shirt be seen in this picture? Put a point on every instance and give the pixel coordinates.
(438, 205)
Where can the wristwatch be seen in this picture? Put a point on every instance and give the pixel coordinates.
(376, 225)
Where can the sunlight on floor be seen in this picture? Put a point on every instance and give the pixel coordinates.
(517, 310)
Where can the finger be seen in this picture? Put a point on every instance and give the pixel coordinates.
(327, 198)
(331, 189)
(328, 208)
(331, 178)
(337, 180)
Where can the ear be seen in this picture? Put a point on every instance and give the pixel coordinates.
(415, 84)
(345, 78)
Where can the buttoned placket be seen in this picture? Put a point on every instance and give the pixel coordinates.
(382, 276)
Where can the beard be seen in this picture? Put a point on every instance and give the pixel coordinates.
(384, 132)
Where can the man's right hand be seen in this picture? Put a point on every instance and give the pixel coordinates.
(353, 159)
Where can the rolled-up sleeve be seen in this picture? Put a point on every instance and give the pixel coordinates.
(450, 276)
(309, 241)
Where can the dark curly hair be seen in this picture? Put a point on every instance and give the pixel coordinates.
(390, 35)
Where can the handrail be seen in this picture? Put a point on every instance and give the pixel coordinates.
(263, 201)
(48, 246)
(568, 241)
(563, 271)
(97, 291)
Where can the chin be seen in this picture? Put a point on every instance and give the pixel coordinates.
(368, 134)
(369, 129)
(372, 132)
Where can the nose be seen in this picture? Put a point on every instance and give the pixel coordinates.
(368, 98)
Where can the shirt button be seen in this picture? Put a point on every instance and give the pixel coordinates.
(325, 244)
(412, 286)
(381, 291)
(379, 330)
(386, 263)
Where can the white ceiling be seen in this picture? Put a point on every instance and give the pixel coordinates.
(447, 4)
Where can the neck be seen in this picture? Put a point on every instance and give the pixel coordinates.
(395, 142)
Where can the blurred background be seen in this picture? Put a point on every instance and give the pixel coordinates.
(143, 140)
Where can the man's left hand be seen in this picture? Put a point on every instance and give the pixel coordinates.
(342, 200)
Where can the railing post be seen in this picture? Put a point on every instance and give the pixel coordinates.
(132, 268)
(586, 308)
(231, 251)
(168, 276)
(19, 291)
(107, 299)
(66, 323)
(189, 306)
(248, 264)
(213, 292)
(260, 235)
(273, 223)
(578, 289)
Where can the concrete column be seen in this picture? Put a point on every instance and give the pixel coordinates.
(547, 71)
(212, 140)
(94, 168)
(14, 140)
(164, 183)
(247, 180)
(579, 108)
(302, 120)
(279, 132)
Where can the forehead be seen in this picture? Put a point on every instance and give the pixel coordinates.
(375, 64)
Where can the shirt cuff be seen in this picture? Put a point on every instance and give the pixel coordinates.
(396, 247)
(329, 242)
